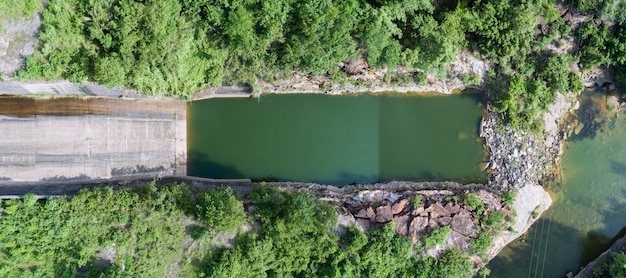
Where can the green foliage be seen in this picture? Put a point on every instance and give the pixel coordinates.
(53, 238)
(436, 237)
(596, 45)
(220, 209)
(354, 239)
(504, 29)
(481, 243)
(10, 9)
(141, 45)
(523, 98)
(617, 268)
(470, 78)
(473, 201)
(416, 201)
(508, 197)
(495, 220)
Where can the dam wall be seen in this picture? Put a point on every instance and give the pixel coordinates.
(54, 140)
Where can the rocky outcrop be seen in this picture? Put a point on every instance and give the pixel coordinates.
(530, 201)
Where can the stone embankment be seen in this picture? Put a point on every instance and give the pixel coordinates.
(440, 204)
(53, 140)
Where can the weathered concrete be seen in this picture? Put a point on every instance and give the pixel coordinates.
(74, 139)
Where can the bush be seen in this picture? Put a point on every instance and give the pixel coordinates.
(220, 209)
(416, 201)
(436, 237)
(617, 268)
(508, 197)
(481, 243)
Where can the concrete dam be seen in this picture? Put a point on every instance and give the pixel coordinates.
(60, 139)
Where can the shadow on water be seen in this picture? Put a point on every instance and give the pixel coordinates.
(618, 168)
(200, 165)
(544, 251)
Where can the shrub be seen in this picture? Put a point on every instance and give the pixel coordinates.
(508, 197)
(437, 237)
(481, 243)
(220, 209)
(416, 201)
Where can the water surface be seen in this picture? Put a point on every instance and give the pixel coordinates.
(337, 139)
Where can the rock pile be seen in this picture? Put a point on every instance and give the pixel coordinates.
(417, 219)
(518, 159)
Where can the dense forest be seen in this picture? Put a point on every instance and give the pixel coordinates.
(173, 231)
(177, 47)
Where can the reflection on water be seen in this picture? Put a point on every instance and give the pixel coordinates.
(589, 211)
(338, 139)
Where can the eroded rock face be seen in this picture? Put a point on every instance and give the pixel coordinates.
(463, 223)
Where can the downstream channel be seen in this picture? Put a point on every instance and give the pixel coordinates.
(338, 140)
(588, 210)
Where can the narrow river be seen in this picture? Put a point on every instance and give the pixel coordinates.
(338, 139)
(589, 209)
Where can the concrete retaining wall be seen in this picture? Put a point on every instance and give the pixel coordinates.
(85, 139)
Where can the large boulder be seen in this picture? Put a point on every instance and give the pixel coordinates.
(437, 210)
(400, 206)
(402, 225)
(383, 214)
(444, 221)
(418, 225)
(452, 208)
(457, 240)
(463, 224)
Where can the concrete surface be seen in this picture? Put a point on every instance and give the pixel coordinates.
(70, 139)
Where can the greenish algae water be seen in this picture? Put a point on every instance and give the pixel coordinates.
(589, 209)
(337, 139)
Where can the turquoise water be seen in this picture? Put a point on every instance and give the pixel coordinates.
(589, 208)
(337, 139)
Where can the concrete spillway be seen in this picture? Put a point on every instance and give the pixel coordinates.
(80, 139)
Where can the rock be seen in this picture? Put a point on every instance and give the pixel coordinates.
(443, 221)
(366, 213)
(418, 224)
(402, 225)
(383, 214)
(400, 206)
(365, 224)
(418, 211)
(433, 225)
(438, 211)
(462, 223)
(452, 208)
(457, 240)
